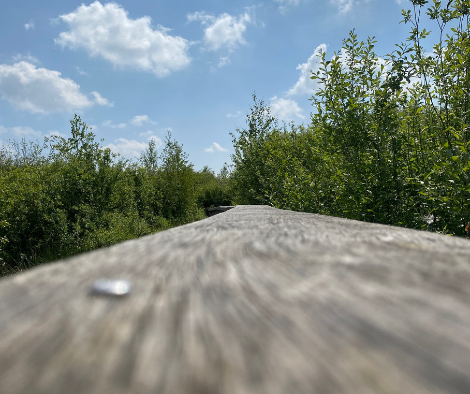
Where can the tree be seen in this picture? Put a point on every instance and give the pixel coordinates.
(177, 183)
(249, 159)
(149, 157)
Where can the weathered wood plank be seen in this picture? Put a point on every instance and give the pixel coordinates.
(254, 300)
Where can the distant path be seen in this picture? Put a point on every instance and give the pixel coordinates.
(254, 300)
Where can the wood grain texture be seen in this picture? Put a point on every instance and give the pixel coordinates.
(253, 300)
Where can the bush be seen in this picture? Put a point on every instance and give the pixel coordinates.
(389, 139)
(81, 197)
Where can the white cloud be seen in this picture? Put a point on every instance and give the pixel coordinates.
(158, 140)
(106, 31)
(20, 131)
(215, 147)
(54, 133)
(80, 71)
(100, 100)
(285, 4)
(343, 6)
(109, 123)
(223, 61)
(28, 58)
(139, 120)
(224, 30)
(203, 17)
(285, 109)
(29, 25)
(39, 90)
(127, 148)
(306, 85)
(132, 148)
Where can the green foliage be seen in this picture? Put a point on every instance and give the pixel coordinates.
(444, 115)
(213, 190)
(3, 240)
(80, 196)
(276, 166)
(252, 173)
(357, 121)
(177, 184)
(388, 140)
(149, 158)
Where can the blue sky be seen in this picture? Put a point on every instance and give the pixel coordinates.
(134, 69)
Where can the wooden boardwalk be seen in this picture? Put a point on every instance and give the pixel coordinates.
(253, 300)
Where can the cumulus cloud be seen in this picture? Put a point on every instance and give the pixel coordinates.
(100, 100)
(39, 90)
(285, 109)
(222, 31)
(109, 123)
(285, 4)
(27, 58)
(107, 31)
(29, 25)
(306, 85)
(215, 147)
(139, 120)
(20, 131)
(132, 148)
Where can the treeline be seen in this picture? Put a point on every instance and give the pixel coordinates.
(70, 195)
(388, 140)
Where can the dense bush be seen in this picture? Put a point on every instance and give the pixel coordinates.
(80, 196)
(388, 140)
(213, 190)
